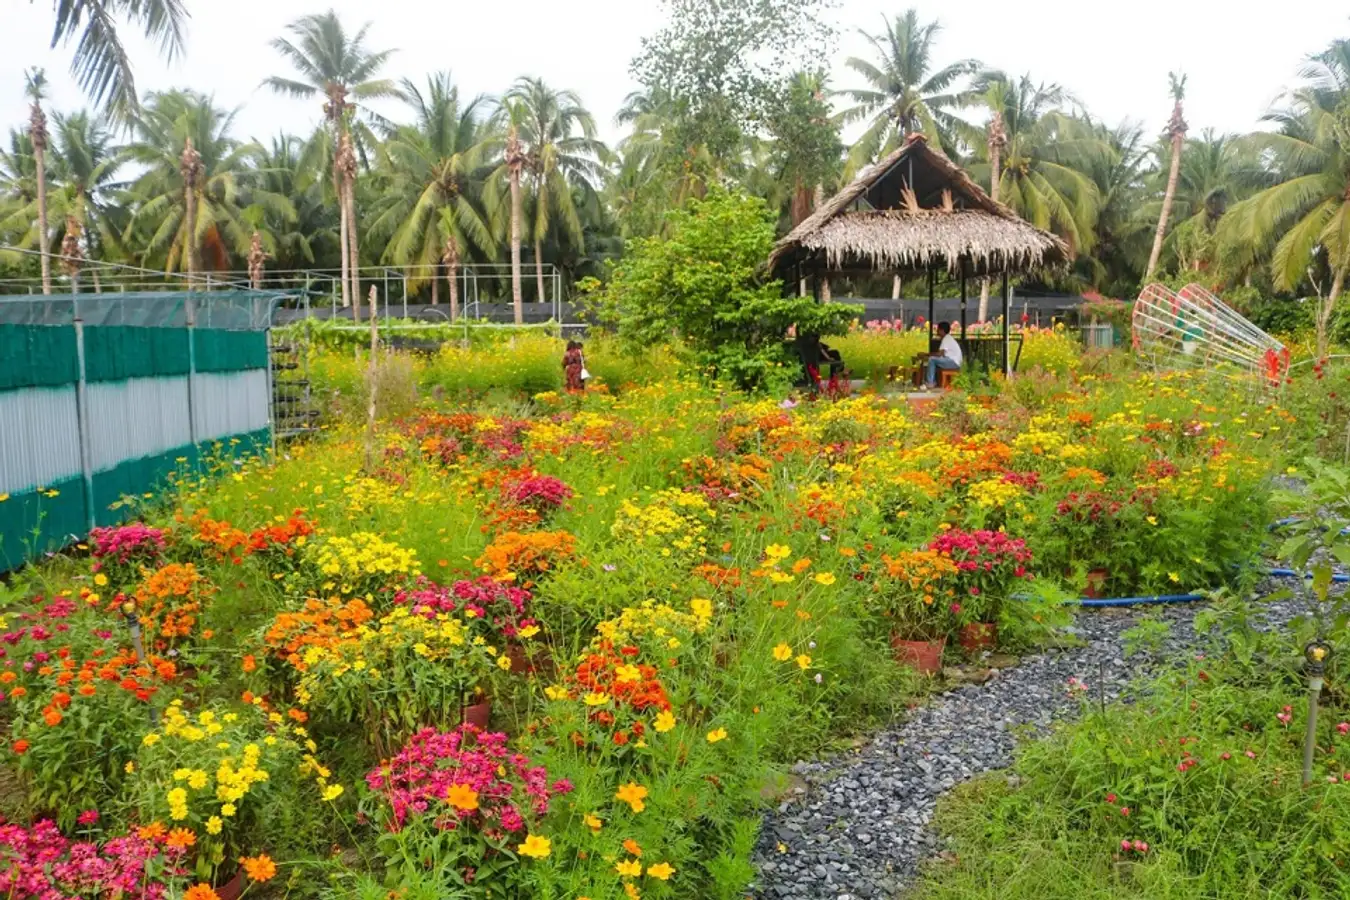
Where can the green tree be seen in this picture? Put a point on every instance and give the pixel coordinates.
(806, 148)
(343, 71)
(719, 62)
(902, 93)
(101, 64)
(700, 282)
(310, 238)
(1302, 223)
(429, 207)
(561, 153)
(158, 228)
(35, 87)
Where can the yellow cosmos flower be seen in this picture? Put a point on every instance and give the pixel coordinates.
(777, 552)
(717, 734)
(629, 868)
(662, 871)
(627, 674)
(555, 692)
(803, 661)
(332, 792)
(593, 822)
(596, 698)
(825, 578)
(633, 794)
(782, 653)
(664, 722)
(535, 847)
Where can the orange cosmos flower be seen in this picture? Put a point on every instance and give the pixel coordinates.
(181, 838)
(200, 892)
(260, 867)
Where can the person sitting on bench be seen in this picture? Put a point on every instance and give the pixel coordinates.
(948, 355)
(832, 356)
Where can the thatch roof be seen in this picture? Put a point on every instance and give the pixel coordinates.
(916, 210)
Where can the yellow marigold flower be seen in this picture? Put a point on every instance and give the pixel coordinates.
(633, 794)
(825, 578)
(803, 661)
(214, 825)
(461, 796)
(535, 847)
(664, 722)
(596, 698)
(629, 868)
(504, 663)
(662, 871)
(717, 734)
(181, 774)
(782, 653)
(228, 810)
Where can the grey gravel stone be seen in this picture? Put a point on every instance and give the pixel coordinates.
(877, 802)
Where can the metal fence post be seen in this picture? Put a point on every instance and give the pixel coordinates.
(82, 425)
(190, 308)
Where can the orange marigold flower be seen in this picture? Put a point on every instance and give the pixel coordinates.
(86, 690)
(19, 691)
(61, 699)
(250, 663)
(20, 747)
(298, 715)
(181, 838)
(200, 892)
(52, 716)
(260, 867)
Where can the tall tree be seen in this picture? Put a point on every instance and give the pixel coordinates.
(336, 67)
(227, 196)
(35, 87)
(430, 200)
(558, 138)
(190, 168)
(1176, 133)
(996, 142)
(1302, 223)
(806, 148)
(902, 93)
(101, 64)
(719, 62)
(514, 161)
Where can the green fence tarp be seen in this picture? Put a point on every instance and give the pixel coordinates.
(229, 351)
(37, 521)
(37, 356)
(115, 352)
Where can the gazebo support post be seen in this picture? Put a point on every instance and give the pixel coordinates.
(963, 301)
(930, 310)
(1007, 367)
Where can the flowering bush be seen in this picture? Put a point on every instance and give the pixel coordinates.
(489, 608)
(988, 565)
(169, 602)
(320, 623)
(120, 552)
(672, 523)
(363, 563)
(918, 594)
(522, 556)
(462, 804)
(40, 862)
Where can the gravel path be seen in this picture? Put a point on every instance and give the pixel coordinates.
(857, 825)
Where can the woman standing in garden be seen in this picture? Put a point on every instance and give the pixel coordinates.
(572, 366)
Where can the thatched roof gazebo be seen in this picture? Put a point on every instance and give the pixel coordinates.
(916, 212)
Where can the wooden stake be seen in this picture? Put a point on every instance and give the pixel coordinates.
(371, 376)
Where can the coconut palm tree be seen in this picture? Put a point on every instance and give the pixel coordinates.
(558, 137)
(35, 86)
(902, 93)
(1176, 134)
(101, 64)
(88, 162)
(1302, 223)
(806, 150)
(310, 239)
(207, 227)
(342, 70)
(429, 203)
(996, 142)
(1042, 169)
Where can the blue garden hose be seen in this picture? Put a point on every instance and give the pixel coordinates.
(1182, 598)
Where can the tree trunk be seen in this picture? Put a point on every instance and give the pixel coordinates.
(994, 177)
(539, 268)
(453, 275)
(895, 288)
(190, 230)
(40, 163)
(515, 247)
(342, 239)
(1168, 197)
(351, 233)
(1326, 309)
(435, 285)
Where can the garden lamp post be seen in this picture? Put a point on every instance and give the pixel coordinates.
(1316, 654)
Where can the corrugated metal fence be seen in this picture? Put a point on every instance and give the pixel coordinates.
(93, 413)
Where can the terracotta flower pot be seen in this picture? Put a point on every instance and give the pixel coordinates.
(479, 713)
(925, 657)
(1096, 584)
(231, 889)
(978, 636)
(520, 661)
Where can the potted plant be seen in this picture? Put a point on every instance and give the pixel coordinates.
(989, 565)
(915, 599)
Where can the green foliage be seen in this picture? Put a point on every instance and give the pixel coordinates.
(701, 283)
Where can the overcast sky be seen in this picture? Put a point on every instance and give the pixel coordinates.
(1113, 56)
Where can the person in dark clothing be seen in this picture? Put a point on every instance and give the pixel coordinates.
(572, 366)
